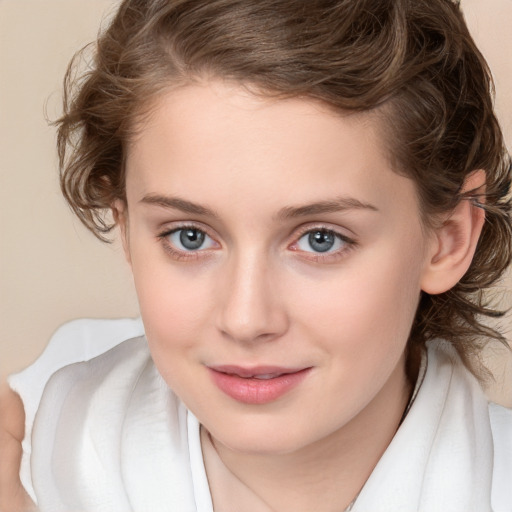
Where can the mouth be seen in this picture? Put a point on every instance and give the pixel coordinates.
(256, 372)
(257, 385)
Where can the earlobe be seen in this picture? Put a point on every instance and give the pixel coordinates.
(120, 214)
(454, 243)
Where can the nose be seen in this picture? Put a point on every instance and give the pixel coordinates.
(251, 307)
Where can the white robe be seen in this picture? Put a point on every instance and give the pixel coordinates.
(109, 436)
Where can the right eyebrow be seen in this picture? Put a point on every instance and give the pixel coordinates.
(177, 203)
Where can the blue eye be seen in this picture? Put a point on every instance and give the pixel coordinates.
(320, 240)
(190, 239)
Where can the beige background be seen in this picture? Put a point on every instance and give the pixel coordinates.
(51, 269)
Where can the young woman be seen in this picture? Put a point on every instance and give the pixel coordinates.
(312, 197)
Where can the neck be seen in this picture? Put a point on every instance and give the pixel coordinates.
(325, 476)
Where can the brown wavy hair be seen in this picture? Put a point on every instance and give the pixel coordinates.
(413, 59)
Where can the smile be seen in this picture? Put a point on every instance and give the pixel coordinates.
(256, 385)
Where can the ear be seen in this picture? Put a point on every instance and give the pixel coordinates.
(120, 214)
(454, 243)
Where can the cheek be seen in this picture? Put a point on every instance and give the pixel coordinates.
(174, 304)
(175, 315)
(364, 313)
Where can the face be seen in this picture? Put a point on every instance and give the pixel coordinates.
(278, 262)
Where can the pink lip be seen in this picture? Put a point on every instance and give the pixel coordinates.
(243, 385)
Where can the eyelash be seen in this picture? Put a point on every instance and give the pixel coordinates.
(328, 257)
(179, 255)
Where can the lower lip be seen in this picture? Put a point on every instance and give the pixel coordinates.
(257, 391)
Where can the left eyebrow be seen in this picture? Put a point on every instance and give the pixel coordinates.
(330, 206)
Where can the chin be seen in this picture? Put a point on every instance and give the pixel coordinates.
(264, 436)
(270, 445)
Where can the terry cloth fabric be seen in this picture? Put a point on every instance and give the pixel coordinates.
(109, 436)
(452, 453)
(75, 341)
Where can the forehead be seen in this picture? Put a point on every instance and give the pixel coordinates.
(223, 144)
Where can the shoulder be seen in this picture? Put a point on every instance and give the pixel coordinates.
(501, 426)
(110, 374)
(489, 423)
(84, 402)
(109, 434)
(124, 361)
(78, 340)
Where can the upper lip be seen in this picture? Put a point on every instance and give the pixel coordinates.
(254, 371)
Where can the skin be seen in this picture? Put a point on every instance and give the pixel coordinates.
(257, 293)
(13, 497)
